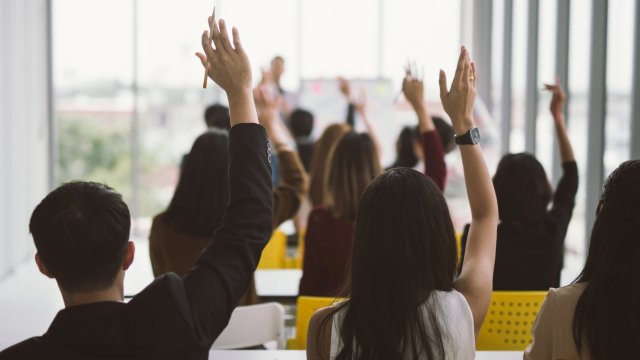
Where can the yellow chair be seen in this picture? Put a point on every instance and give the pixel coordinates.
(509, 320)
(306, 306)
(274, 254)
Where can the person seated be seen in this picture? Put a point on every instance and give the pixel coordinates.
(301, 123)
(597, 316)
(327, 243)
(81, 233)
(216, 116)
(179, 234)
(320, 161)
(530, 248)
(409, 152)
(403, 299)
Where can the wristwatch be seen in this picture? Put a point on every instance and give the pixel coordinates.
(471, 137)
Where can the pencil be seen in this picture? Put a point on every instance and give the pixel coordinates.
(206, 69)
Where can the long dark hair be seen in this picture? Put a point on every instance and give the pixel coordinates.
(607, 316)
(353, 164)
(405, 148)
(522, 189)
(404, 249)
(202, 193)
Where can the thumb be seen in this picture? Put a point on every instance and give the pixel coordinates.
(443, 86)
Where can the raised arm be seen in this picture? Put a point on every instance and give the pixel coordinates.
(475, 281)
(430, 142)
(292, 188)
(359, 106)
(565, 194)
(224, 269)
(556, 107)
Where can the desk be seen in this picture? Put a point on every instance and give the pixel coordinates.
(300, 355)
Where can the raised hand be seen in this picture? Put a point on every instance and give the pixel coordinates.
(413, 88)
(458, 100)
(558, 100)
(228, 64)
(345, 88)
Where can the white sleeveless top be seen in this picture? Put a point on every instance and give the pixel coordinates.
(456, 324)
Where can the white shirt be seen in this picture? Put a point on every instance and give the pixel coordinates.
(456, 324)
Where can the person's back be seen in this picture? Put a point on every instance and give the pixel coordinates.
(81, 232)
(353, 164)
(530, 247)
(403, 299)
(454, 320)
(597, 316)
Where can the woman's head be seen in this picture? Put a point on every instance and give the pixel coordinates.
(404, 248)
(353, 164)
(321, 150)
(522, 188)
(607, 313)
(202, 194)
(407, 148)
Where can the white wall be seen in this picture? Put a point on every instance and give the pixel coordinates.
(24, 131)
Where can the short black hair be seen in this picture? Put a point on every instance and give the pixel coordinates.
(301, 122)
(217, 116)
(81, 231)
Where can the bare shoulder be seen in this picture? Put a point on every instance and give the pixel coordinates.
(319, 334)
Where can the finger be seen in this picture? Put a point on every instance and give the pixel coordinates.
(442, 81)
(224, 36)
(215, 34)
(466, 71)
(206, 46)
(460, 67)
(236, 40)
(474, 74)
(203, 59)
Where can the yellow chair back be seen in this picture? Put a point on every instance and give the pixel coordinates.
(509, 320)
(306, 306)
(274, 254)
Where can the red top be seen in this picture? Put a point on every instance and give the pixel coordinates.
(327, 253)
(433, 151)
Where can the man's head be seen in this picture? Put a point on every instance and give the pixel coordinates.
(81, 233)
(277, 68)
(301, 122)
(217, 116)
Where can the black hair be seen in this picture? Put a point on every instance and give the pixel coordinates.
(405, 148)
(446, 133)
(81, 231)
(607, 315)
(522, 189)
(202, 194)
(301, 122)
(404, 249)
(217, 116)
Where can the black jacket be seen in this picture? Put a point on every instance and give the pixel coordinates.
(173, 317)
(530, 256)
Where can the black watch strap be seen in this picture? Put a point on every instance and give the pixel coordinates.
(471, 137)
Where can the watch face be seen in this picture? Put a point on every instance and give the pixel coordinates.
(475, 135)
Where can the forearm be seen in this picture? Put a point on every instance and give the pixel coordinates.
(425, 122)
(480, 191)
(433, 153)
(279, 135)
(288, 195)
(564, 144)
(242, 108)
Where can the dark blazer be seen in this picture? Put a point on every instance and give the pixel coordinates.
(173, 317)
(530, 256)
